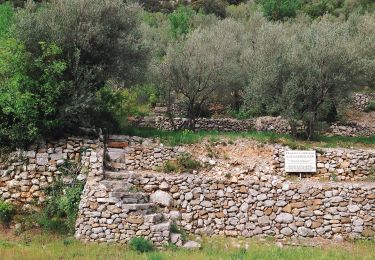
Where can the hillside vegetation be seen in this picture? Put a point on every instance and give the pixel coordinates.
(67, 64)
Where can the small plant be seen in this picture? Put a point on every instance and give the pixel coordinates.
(239, 255)
(370, 107)
(134, 189)
(211, 152)
(186, 162)
(141, 245)
(228, 175)
(178, 230)
(6, 213)
(170, 166)
(334, 177)
(371, 174)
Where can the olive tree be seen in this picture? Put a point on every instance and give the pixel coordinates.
(299, 67)
(203, 66)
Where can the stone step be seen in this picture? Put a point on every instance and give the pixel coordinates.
(119, 166)
(120, 175)
(148, 207)
(117, 185)
(130, 197)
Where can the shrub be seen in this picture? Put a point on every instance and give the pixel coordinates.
(170, 166)
(60, 210)
(186, 162)
(6, 15)
(141, 245)
(6, 213)
(180, 21)
(371, 106)
(32, 92)
(217, 7)
(280, 9)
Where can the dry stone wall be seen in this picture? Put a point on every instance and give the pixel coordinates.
(261, 124)
(132, 153)
(255, 206)
(335, 164)
(361, 100)
(24, 174)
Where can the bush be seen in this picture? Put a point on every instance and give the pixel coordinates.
(170, 166)
(180, 21)
(6, 15)
(217, 7)
(32, 92)
(59, 211)
(371, 106)
(141, 245)
(280, 9)
(186, 162)
(53, 88)
(6, 213)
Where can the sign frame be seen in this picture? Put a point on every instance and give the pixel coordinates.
(300, 161)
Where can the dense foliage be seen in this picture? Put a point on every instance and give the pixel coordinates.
(71, 63)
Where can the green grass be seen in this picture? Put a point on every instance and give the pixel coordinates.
(189, 137)
(51, 247)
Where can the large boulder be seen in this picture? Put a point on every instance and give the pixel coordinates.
(161, 198)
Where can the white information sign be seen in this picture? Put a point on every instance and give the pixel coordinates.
(300, 161)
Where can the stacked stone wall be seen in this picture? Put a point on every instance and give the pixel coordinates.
(255, 206)
(24, 174)
(135, 153)
(261, 124)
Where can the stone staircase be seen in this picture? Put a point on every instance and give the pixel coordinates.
(143, 218)
(116, 150)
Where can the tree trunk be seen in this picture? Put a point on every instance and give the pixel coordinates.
(311, 124)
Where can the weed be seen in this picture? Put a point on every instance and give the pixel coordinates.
(186, 162)
(7, 212)
(333, 177)
(370, 107)
(170, 166)
(171, 246)
(210, 152)
(141, 245)
(134, 189)
(178, 230)
(239, 255)
(371, 174)
(228, 175)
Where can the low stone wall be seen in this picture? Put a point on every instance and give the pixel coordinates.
(132, 153)
(335, 164)
(24, 174)
(255, 206)
(361, 100)
(351, 129)
(261, 124)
